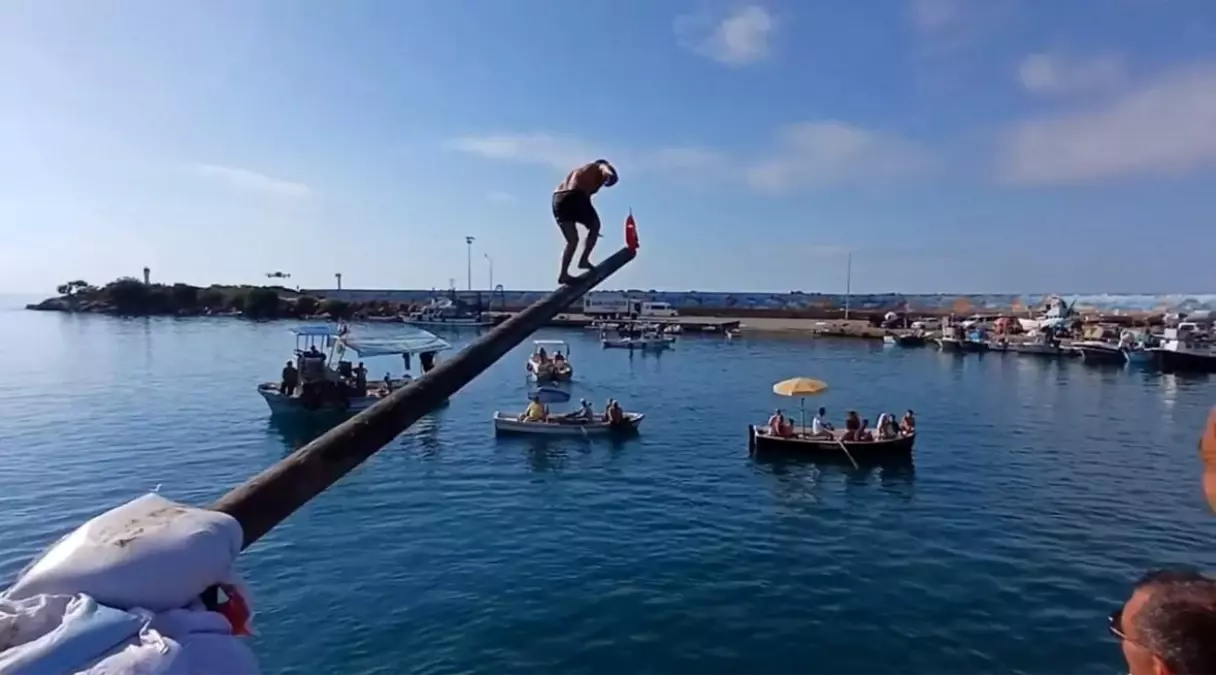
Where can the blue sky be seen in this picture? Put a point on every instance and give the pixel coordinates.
(951, 145)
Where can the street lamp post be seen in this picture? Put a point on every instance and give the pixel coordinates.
(848, 283)
(469, 260)
(491, 262)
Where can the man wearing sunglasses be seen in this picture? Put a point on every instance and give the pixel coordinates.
(1168, 625)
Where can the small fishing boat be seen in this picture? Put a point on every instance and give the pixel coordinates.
(1185, 349)
(760, 440)
(550, 362)
(1099, 352)
(444, 313)
(324, 388)
(505, 423)
(651, 342)
(910, 340)
(1041, 349)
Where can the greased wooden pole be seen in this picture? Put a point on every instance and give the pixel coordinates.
(270, 497)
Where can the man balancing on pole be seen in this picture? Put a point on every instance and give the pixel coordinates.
(572, 204)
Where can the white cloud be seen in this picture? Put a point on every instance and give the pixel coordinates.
(1056, 74)
(559, 152)
(253, 181)
(816, 154)
(739, 38)
(1167, 126)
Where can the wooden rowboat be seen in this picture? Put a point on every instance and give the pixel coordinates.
(507, 423)
(760, 441)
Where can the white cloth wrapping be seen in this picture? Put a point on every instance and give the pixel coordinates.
(120, 596)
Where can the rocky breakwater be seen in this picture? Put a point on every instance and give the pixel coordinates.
(131, 297)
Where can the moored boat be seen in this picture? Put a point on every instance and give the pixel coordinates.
(1183, 350)
(1042, 349)
(1099, 352)
(646, 342)
(760, 441)
(443, 313)
(505, 423)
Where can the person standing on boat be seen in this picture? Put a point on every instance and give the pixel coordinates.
(572, 204)
(291, 378)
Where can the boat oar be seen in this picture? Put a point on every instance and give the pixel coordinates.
(846, 451)
(268, 498)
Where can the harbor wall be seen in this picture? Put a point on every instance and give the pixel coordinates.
(695, 303)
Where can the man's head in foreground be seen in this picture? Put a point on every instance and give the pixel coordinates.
(1168, 625)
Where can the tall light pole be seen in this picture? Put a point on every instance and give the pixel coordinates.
(338, 276)
(469, 260)
(491, 261)
(848, 283)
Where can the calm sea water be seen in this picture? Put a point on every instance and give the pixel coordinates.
(1039, 491)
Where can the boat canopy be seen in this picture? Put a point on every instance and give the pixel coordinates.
(319, 330)
(412, 342)
(561, 343)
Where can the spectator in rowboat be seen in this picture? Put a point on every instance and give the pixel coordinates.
(615, 414)
(852, 425)
(542, 355)
(864, 433)
(819, 427)
(907, 426)
(535, 411)
(1168, 625)
(886, 427)
(777, 424)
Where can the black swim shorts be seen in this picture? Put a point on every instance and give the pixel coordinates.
(574, 206)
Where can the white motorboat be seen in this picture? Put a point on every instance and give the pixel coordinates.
(505, 423)
(1056, 313)
(323, 388)
(550, 362)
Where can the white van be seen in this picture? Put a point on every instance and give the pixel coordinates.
(658, 309)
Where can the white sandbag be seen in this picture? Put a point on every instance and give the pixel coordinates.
(150, 553)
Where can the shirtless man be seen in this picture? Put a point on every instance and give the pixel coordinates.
(572, 204)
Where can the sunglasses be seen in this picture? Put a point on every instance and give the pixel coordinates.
(1114, 624)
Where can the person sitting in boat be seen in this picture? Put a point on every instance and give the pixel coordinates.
(585, 413)
(542, 355)
(819, 427)
(776, 422)
(427, 361)
(559, 358)
(291, 378)
(360, 380)
(388, 383)
(907, 426)
(536, 412)
(852, 426)
(616, 416)
(887, 428)
(864, 433)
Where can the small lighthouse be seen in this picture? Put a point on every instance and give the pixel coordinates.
(147, 276)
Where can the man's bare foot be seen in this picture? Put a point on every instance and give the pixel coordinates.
(585, 265)
(565, 279)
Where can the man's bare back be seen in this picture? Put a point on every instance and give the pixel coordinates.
(572, 204)
(588, 178)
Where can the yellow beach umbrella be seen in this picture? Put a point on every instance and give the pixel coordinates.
(800, 387)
